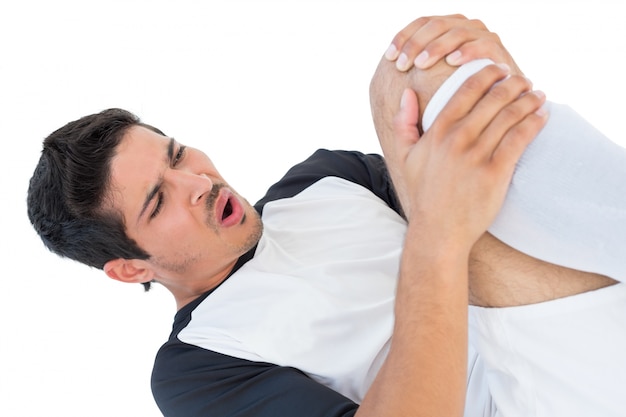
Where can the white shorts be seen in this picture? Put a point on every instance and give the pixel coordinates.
(565, 357)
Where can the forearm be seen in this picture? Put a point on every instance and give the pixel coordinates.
(425, 371)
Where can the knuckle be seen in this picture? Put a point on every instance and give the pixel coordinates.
(438, 23)
(491, 42)
(484, 48)
(532, 101)
(526, 129)
(436, 48)
(473, 83)
(457, 140)
(520, 81)
(478, 24)
(411, 43)
(460, 32)
(510, 88)
(436, 133)
(511, 113)
(518, 132)
(423, 20)
(475, 155)
(488, 46)
(500, 92)
(400, 38)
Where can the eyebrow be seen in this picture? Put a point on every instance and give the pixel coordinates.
(155, 190)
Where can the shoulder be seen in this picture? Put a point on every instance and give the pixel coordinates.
(367, 170)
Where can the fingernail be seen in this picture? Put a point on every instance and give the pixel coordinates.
(402, 62)
(421, 59)
(454, 58)
(541, 111)
(403, 98)
(391, 53)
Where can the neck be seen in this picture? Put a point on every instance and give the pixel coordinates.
(186, 291)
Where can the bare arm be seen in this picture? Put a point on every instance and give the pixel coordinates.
(455, 177)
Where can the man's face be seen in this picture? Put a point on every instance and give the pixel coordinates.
(178, 208)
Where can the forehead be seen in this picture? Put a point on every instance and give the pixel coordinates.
(141, 138)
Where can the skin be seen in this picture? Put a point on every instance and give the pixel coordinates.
(501, 276)
(191, 250)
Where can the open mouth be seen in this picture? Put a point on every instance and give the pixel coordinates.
(228, 210)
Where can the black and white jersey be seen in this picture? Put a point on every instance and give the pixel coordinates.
(302, 325)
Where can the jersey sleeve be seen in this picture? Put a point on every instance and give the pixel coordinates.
(194, 382)
(367, 170)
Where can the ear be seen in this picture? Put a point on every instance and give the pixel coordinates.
(129, 270)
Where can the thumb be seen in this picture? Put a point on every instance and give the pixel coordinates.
(405, 121)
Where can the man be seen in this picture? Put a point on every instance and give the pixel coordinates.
(184, 227)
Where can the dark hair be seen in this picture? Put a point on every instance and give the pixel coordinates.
(70, 185)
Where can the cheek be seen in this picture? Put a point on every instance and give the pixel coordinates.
(182, 225)
(179, 231)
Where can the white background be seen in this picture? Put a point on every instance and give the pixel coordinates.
(258, 86)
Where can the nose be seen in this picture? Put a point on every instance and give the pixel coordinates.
(189, 185)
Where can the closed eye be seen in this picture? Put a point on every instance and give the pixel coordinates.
(179, 155)
(160, 196)
(157, 206)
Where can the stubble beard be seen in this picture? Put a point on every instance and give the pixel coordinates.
(250, 242)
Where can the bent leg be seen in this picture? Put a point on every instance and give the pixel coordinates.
(567, 200)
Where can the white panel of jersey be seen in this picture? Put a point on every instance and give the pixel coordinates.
(319, 293)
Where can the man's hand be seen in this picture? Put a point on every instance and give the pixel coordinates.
(427, 40)
(458, 172)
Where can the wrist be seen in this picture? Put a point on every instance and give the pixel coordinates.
(435, 246)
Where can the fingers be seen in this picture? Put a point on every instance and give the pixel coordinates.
(459, 40)
(500, 108)
(426, 40)
(440, 45)
(397, 44)
(519, 135)
(489, 114)
(469, 95)
(475, 46)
